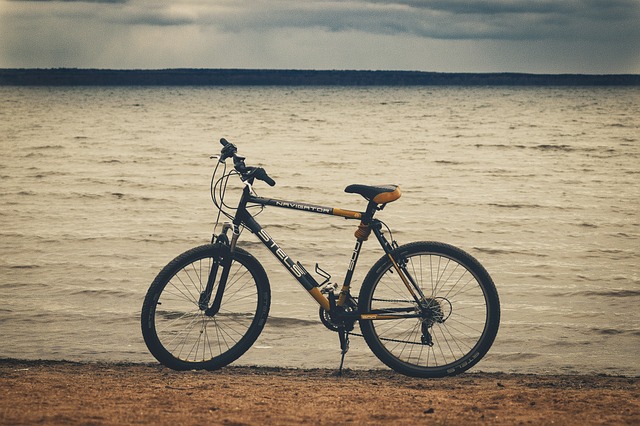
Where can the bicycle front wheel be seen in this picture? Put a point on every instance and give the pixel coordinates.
(452, 325)
(175, 326)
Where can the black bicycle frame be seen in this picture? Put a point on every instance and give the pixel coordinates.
(244, 218)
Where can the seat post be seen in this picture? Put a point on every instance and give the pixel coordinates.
(364, 229)
(362, 235)
(371, 210)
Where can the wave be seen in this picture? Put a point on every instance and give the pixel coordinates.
(500, 146)
(613, 293)
(249, 243)
(510, 174)
(621, 293)
(516, 206)
(24, 266)
(587, 225)
(101, 292)
(517, 356)
(556, 343)
(550, 147)
(69, 317)
(300, 188)
(453, 163)
(105, 195)
(615, 332)
(290, 322)
(531, 206)
(292, 227)
(31, 286)
(93, 180)
(490, 250)
(112, 256)
(45, 147)
(611, 254)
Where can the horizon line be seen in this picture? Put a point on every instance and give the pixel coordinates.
(318, 70)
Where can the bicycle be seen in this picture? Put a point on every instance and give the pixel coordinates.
(425, 309)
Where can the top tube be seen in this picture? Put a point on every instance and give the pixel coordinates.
(312, 208)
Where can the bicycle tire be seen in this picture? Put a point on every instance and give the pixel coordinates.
(461, 300)
(176, 330)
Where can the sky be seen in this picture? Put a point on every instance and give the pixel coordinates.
(531, 36)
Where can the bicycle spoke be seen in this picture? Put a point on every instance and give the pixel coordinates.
(184, 335)
(448, 323)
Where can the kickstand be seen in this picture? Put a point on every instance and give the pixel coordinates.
(344, 347)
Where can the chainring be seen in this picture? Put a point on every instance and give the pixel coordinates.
(325, 317)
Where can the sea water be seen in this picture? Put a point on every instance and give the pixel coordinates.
(101, 187)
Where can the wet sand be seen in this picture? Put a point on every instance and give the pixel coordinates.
(53, 392)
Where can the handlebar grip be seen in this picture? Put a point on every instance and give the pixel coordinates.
(228, 150)
(262, 175)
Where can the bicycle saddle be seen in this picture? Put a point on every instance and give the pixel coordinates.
(380, 194)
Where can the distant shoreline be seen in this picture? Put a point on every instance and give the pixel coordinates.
(266, 77)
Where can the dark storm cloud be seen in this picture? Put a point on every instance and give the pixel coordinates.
(501, 7)
(439, 19)
(298, 33)
(462, 19)
(515, 20)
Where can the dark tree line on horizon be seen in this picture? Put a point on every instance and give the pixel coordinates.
(257, 77)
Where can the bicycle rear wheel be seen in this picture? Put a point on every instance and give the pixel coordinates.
(448, 331)
(175, 327)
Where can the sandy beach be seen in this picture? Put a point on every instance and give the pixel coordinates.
(54, 392)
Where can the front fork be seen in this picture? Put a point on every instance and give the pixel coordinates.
(223, 249)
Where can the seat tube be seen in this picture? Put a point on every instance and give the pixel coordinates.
(361, 234)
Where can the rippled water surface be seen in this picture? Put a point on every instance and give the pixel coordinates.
(100, 187)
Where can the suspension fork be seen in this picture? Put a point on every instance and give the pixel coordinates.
(399, 267)
(226, 248)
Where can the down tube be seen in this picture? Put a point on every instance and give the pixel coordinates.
(294, 268)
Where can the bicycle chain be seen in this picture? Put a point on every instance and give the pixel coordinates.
(389, 340)
(386, 338)
(392, 300)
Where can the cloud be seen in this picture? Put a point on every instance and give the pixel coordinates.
(451, 19)
(441, 19)
(294, 33)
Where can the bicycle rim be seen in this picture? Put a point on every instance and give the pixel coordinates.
(458, 317)
(179, 333)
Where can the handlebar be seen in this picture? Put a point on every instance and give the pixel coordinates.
(247, 173)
